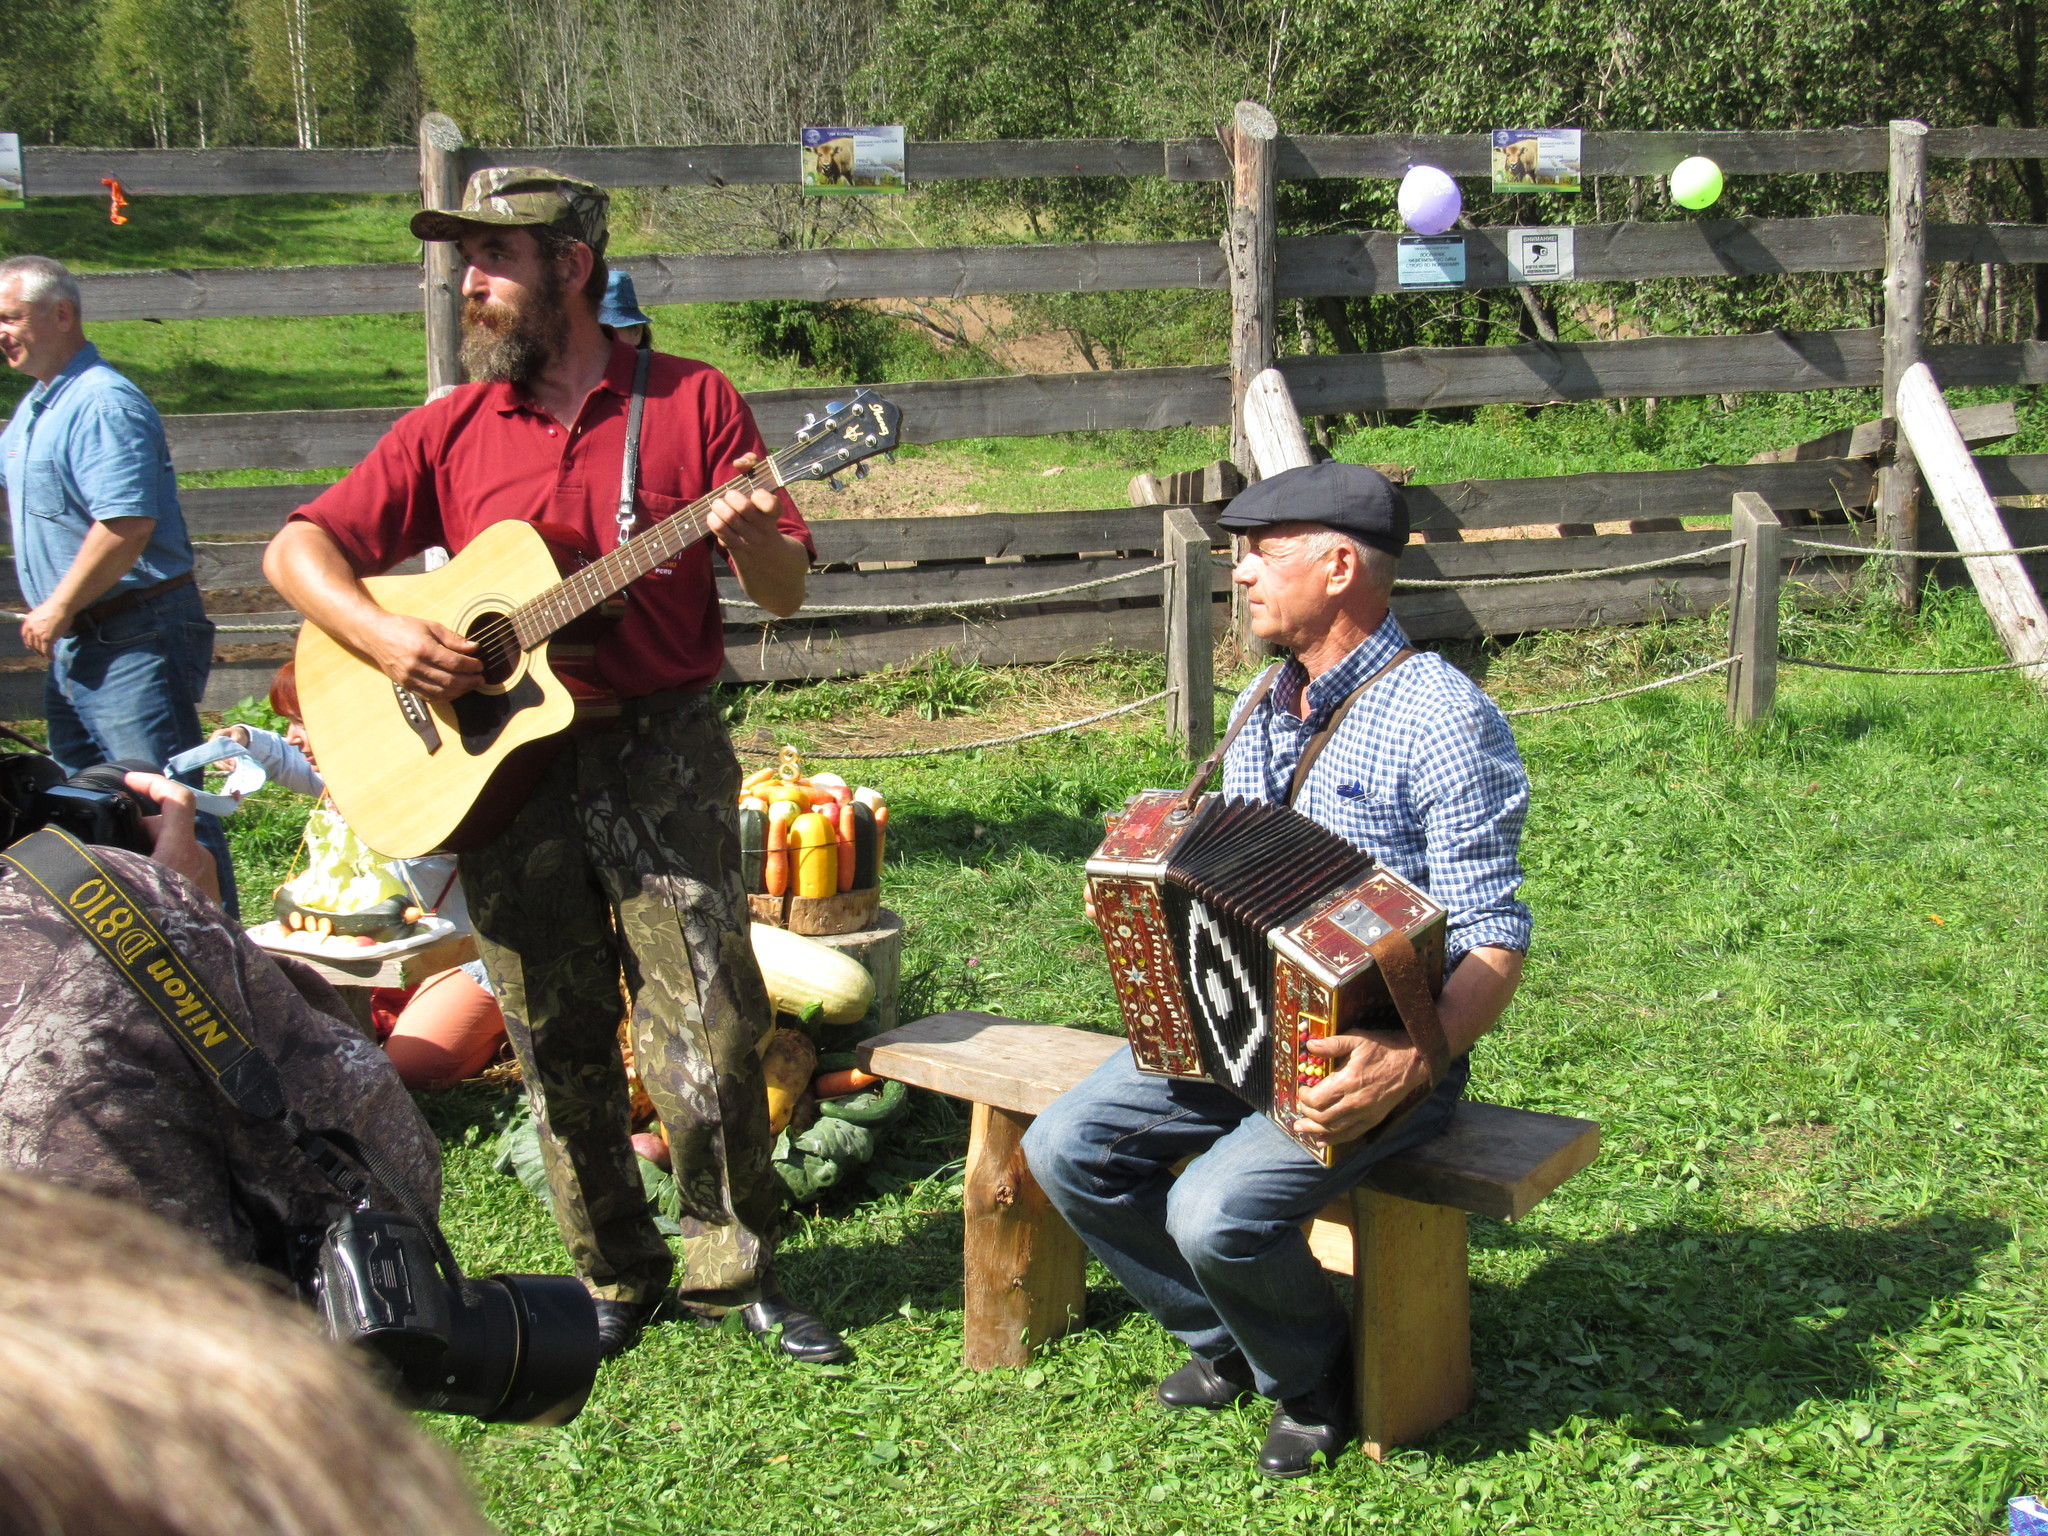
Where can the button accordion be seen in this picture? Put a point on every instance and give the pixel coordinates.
(1239, 930)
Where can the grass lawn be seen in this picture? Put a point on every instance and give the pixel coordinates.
(1793, 972)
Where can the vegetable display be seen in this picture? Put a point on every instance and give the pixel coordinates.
(812, 836)
(803, 975)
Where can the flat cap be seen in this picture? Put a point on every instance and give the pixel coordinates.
(518, 196)
(1348, 497)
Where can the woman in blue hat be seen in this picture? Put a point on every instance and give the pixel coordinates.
(621, 311)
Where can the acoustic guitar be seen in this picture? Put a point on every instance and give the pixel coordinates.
(415, 776)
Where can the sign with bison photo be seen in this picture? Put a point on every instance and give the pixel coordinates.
(1536, 159)
(853, 160)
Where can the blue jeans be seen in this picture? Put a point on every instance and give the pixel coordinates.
(1216, 1255)
(130, 688)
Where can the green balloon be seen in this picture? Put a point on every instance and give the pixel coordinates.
(1696, 183)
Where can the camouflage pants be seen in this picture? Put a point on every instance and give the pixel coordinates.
(626, 859)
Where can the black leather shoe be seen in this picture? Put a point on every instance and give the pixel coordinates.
(619, 1325)
(1302, 1426)
(1207, 1383)
(802, 1336)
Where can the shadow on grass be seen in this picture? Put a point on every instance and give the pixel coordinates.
(1688, 1337)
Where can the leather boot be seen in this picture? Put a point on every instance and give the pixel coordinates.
(1207, 1383)
(802, 1336)
(620, 1324)
(1318, 1420)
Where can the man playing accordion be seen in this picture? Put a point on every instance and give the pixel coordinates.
(1421, 772)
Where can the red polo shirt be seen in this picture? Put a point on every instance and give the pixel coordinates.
(483, 453)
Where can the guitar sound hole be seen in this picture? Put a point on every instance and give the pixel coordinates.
(497, 646)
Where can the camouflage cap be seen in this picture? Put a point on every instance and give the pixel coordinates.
(516, 195)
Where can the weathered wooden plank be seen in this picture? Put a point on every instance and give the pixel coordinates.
(201, 292)
(222, 511)
(1987, 143)
(1989, 365)
(64, 172)
(1389, 156)
(722, 165)
(1411, 1319)
(1492, 1160)
(1979, 244)
(1029, 405)
(850, 648)
(1437, 377)
(21, 691)
(1613, 496)
(926, 272)
(967, 584)
(1978, 423)
(987, 1059)
(276, 439)
(845, 541)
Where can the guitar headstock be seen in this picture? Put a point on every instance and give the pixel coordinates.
(848, 434)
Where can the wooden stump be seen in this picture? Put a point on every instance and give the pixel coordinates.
(1411, 1318)
(1026, 1268)
(880, 949)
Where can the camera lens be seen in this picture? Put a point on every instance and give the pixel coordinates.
(522, 1349)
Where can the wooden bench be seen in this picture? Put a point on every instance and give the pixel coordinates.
(1400, 1236)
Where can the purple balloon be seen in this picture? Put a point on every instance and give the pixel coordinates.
(1429, 200)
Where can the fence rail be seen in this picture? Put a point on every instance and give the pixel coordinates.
(62, 172)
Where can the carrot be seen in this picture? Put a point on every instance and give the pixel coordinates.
(775, 861)
(845, 821)
(837, 1085)
(759, 776)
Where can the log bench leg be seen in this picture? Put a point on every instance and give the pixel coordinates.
(1026, 1268)
(1411, 1318)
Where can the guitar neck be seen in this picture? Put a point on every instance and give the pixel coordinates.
(572, 597)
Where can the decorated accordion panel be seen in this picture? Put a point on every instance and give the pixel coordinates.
(1239, 931)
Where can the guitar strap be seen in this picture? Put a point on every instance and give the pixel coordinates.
(629, 472)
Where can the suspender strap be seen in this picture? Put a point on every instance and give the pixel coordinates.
(629, 474)
(1321, 739)
(1214, 760)
(105, 909)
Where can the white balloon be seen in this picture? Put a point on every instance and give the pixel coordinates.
(1429, 200)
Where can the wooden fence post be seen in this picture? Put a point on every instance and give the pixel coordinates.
(441, 187)
(2016, 610)
(1754, 574)
(1905, 290)
(1190, 641)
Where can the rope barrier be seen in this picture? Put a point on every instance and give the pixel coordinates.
(1881, 552)
(1419, 584)
(1015, 598)
(1622, 693)
(970, 746)
(1843, 666)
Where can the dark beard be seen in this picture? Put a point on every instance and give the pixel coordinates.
(508, 344)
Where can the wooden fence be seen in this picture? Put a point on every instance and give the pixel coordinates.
(1021, 553)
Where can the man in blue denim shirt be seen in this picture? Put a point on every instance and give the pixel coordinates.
(1422, 773)
(99, 544)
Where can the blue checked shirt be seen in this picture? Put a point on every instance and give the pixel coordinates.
(1423, 775)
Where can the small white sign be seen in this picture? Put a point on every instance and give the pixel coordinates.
(12, 187)
(1540, 255)
(1430, 261)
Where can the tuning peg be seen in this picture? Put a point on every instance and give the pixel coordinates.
(810, 421)
(833, 481)
(860, 470)
(834, 407)
(890, 455)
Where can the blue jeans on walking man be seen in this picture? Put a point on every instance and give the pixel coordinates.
(1216, 1255)
(129, 687)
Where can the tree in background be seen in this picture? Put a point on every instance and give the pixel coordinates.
(337, 71)
(173, 64)
(48, 91)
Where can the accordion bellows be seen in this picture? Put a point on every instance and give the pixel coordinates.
(1238, 930)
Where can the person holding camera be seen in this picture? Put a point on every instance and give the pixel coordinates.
(97, 1093)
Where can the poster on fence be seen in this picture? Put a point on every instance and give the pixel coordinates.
(1430, 261)
(1536, 159)
(12, 188)
(1541, 255)
(837, 160)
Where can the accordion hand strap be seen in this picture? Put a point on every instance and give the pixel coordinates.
(1402, 969)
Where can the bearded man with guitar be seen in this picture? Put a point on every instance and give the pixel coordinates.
(623, 856)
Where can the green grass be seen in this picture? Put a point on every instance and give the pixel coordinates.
(1804, 1288)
